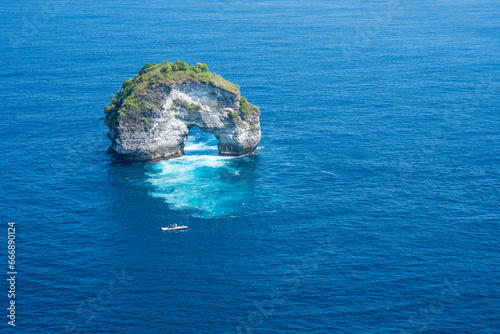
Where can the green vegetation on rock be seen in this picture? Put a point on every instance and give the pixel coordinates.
(245, 107)
(132, 101)
(187, 105)
(249, 111)
(179, 65)
(236, 119)
(199, 68)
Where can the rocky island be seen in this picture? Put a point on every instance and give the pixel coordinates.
(150, 117)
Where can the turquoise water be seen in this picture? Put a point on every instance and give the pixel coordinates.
(371, 205)
(211, 185)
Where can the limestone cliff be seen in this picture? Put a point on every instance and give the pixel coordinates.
(151, 116)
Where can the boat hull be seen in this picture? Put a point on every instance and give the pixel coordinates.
(174, 228)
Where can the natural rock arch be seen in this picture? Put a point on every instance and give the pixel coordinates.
(199, 142)
(173, 109)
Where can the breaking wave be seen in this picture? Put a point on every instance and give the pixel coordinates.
(201, 180)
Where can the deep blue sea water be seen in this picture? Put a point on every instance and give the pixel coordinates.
(371, 206)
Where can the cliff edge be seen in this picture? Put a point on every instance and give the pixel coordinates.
(150, 117)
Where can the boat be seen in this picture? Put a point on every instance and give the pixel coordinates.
(174, 227)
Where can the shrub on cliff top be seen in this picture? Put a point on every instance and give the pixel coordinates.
(166, 68)
(179, 65)
(146, 68)
(199, 68)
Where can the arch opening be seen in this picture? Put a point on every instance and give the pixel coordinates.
(199, 142)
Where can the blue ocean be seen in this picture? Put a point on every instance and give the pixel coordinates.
(371, 206)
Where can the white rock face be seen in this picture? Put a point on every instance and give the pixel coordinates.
(173, 114)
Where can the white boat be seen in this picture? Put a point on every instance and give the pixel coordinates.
(174, 227)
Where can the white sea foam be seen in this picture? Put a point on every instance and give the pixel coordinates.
(191, 146)
(208, 184)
